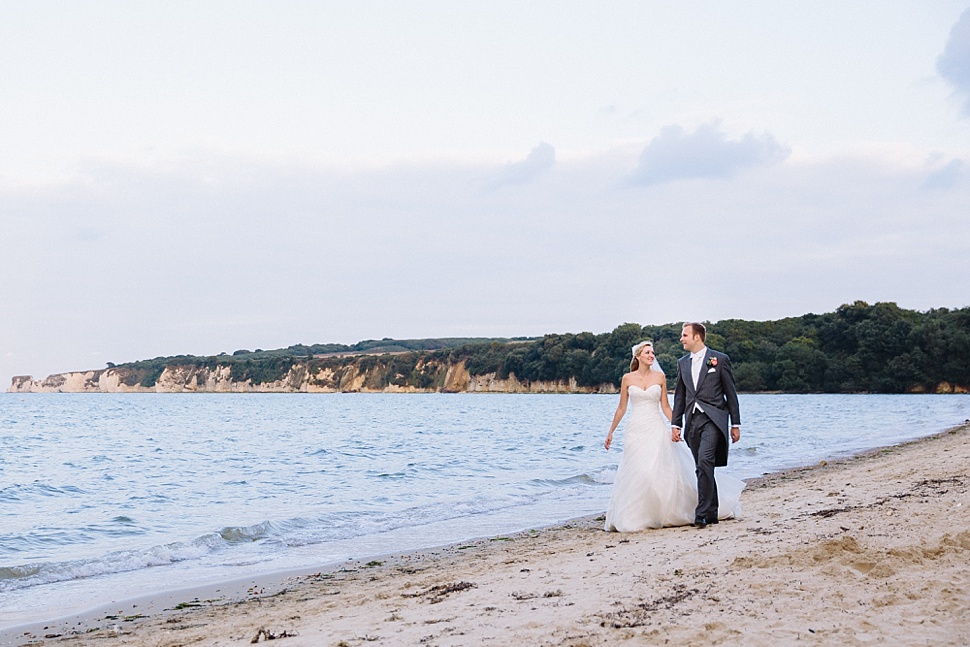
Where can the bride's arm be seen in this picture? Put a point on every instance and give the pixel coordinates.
(665, 404)
(620, 409)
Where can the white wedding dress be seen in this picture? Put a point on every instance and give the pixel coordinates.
(656, 484)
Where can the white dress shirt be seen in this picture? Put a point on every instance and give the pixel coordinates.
(696, 364)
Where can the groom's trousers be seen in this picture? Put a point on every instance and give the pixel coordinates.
(703, 437)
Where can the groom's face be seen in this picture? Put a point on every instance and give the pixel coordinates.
(691, 342)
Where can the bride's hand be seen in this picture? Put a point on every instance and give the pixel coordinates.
(609, 440)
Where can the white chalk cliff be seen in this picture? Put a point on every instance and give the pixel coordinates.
(301, 378)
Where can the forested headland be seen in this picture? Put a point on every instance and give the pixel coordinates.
(878, 348)
(859, 348)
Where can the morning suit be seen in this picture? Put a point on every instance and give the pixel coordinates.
(711, 409)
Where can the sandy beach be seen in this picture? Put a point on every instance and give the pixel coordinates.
(868, 550)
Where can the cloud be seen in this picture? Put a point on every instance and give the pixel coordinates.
(946, 177)
(954, 63)
(541, 159)
(706, 153)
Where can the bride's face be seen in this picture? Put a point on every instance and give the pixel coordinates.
(646, 355)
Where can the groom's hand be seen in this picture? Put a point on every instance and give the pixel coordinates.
(735, 434)
(675, 434)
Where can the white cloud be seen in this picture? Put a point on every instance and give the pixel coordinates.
(946, 177)
(954, 63)
(540, 160)
(706, 153)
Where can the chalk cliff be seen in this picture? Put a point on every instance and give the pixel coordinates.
(428, 376)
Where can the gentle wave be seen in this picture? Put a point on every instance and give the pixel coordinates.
(43, 539)
(20, 493)
(288, 533)
(600, 477)
(28, 575)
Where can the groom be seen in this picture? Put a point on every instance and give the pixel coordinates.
(706, 394)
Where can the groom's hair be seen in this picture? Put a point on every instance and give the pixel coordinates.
(697, 329)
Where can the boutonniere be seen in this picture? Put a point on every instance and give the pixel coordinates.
(712, 361)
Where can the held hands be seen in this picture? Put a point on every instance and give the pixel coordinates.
(675, 434)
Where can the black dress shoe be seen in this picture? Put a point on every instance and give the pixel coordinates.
(700, 523)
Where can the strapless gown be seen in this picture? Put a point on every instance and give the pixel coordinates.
(655, 483)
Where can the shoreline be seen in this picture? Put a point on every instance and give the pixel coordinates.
(820, 552)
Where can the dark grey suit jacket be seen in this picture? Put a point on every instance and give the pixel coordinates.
(715, 393)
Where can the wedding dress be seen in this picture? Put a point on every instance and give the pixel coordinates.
(655, 484)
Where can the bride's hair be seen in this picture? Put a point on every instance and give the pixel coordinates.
(635, 364)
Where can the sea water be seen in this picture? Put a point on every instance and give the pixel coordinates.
(108, 497)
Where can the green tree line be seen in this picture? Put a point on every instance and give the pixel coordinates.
(879, 348)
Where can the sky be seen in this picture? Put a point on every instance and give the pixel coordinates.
(203, 176)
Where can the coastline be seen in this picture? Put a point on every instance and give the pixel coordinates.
(870, 547)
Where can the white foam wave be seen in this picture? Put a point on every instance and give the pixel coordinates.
(27, 575)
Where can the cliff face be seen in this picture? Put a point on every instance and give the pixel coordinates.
(300, 378)
(435, 376)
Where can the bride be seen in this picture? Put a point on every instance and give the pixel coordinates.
(656, 484)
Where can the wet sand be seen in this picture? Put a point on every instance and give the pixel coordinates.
(868, 550)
